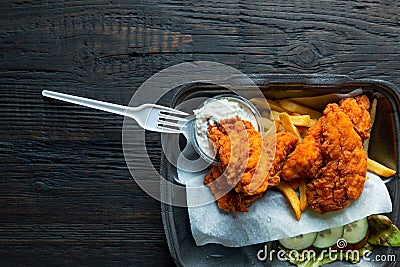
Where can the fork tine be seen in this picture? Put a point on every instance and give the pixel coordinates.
(170, 126)
(171, 111)
(169, 130)
(174, 118)
(168, 123)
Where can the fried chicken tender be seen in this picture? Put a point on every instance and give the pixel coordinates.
(344, 174)
(267, 175)
(232, 200)
(331, 156)
(307, 158)
(357, 110)
(247, 169)
(236, 142)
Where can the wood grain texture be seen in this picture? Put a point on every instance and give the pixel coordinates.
(66, 196)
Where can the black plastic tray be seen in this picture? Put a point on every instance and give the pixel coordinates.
(384, 147)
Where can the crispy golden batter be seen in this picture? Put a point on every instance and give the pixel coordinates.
(344, 174)
(247, 169)
(331, 156)
(357, 110)
(232, 200)
(238, 148)
(307, 158)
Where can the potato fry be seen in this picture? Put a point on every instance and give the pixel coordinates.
(260, 102)
(267, 123)
(303, 195)
(275, 106)
(300, 120)
(270, 131)
(288, 125)
(277, 126)
(312, 122)
(275, 114)
(297, 120)
(294, 184)
(372, 111)
(291, 196)
(372, 114)
(267, 114)
(298, 108)
(379, 169)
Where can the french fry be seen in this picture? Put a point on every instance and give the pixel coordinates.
(291, 196)
(300, 120)
(372, 115)
(275, 114)
(312, 122)
(277, 126)
(297, 120)
(267, 123)
(372, 111)
(298, 108)
(267, 114)
(270, 131)
(288, 125)
(303, 195)
(379, 169)
(260, 102)
(275, 106)
(294, 184)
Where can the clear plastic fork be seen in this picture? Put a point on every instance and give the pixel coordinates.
(151, 117)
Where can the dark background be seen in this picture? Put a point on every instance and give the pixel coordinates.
(66, 195)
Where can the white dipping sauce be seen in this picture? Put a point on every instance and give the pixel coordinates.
(214, 111)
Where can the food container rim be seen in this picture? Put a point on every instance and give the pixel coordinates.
(389, 90)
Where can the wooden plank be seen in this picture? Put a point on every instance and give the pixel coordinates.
(65, 188)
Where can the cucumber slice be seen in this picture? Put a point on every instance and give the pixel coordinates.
(328, 237)
(356, 231)
(299, 242)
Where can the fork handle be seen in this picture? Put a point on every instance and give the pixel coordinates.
(100, 105)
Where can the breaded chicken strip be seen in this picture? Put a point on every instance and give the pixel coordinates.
(267, 175)
(247, 169)
(232, 200)
(238, 148)
(357, 110)
(307, 158)
(344, 174)
(331, 156)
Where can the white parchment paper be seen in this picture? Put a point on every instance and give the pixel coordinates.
(272, 217)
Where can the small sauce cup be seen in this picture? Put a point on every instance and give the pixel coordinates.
(200, 125)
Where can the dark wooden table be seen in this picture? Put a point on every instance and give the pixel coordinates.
(66, 195)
